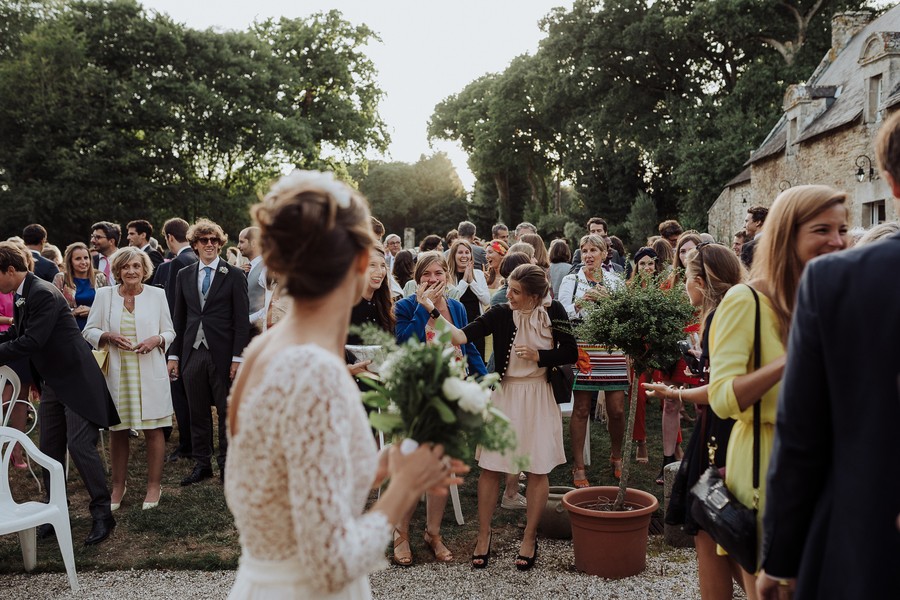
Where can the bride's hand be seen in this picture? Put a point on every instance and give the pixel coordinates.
(425, 469)
(360, 367)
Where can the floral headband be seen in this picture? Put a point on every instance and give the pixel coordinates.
(497, 247)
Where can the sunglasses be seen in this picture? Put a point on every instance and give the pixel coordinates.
(204, 241)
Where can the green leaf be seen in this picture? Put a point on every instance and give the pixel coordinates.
(385, 422)
(447, 415)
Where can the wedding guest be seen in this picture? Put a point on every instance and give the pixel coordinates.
(609, 370)
(300, 540)
(431, 242)
(404, 265)
(825, 493)
(560, 264)
(375, 305)
(412, 319)
(132, 322)
(52, 253)
(507, 266)
(468, 281)
(79, 281)
(805, 222)
(19, 415)
(541, 258)
(664, 252)
(494, 253)
(711, 270)
(879, 232)
(530, 334)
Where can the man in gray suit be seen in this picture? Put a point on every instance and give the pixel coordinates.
(212, 328)
(833, 490)
(248, 244)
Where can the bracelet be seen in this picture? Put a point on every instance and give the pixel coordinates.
(162, 341)
(679, 394)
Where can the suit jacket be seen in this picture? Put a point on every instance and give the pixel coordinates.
(156, 256)
(161, 277)
(224, 315)
(46, 333)
(748, 250)
(44, 268)
(167, 278)
(834, 477)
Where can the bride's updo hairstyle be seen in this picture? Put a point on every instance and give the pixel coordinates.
(312, 228)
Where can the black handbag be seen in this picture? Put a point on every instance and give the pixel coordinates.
(561, 378)
(727, 521)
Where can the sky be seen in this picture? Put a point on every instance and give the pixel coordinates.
(429, 51)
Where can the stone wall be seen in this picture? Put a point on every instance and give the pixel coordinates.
(829, 160)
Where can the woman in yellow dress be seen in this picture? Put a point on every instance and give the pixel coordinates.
(804, 222)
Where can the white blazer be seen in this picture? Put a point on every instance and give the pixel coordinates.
(575, 285)
(151, 313)
(479, 288)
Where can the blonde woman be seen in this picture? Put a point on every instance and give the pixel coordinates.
(79, 281)
(132, 322)
(468, 282)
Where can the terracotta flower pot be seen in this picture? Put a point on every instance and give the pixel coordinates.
(555, 518)
(610, 544)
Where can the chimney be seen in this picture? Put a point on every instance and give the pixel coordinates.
(844, 26)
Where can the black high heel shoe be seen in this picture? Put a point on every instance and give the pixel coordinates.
(527, 560)
(484, 558)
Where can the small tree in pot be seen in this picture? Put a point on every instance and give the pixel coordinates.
(646, 323)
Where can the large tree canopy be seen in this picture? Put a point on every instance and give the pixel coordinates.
(632, 97)
(110, 112)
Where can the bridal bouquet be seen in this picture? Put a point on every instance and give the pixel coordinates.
(423, 396)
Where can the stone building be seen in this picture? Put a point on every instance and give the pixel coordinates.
(826, 133)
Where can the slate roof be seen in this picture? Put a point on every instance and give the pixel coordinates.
(845, 76)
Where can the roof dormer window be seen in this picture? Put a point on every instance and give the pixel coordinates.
(874, 89)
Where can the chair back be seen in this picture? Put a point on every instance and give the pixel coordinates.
(9, 437)
(8, 377)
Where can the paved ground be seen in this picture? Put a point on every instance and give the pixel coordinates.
(672, 574)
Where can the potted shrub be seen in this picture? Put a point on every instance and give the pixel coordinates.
(646, 323)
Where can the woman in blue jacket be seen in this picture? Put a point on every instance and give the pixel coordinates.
(413, 319)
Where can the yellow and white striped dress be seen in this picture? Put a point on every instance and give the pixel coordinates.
(130, 384)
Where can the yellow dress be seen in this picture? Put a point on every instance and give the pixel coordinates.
(731, 355)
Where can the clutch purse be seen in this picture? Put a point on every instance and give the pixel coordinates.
(102, 358)
(562, 378)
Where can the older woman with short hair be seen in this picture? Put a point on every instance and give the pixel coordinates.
(132, 322)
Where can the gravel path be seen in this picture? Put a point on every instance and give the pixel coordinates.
(673, 574)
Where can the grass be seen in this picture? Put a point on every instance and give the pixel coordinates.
(193, 529)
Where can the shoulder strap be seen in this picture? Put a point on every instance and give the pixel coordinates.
(757, 411)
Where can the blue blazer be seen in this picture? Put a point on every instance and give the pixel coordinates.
(412, 318)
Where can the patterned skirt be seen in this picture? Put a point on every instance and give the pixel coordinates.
(600, 368)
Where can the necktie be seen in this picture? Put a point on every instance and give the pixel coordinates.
(207, 278)
(106, 270)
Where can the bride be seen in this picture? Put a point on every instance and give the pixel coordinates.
(302, 458)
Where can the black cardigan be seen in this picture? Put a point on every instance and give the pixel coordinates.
(498, 320)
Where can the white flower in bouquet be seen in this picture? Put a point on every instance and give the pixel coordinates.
(474, 398)
(453, 388)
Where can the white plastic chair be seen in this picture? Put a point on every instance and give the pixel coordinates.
(25, 517)
(9, 377)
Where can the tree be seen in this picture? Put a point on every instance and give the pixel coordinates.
(642, 220)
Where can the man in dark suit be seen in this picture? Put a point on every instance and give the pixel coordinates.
(212, 328)
(35, 236)
(74, 398)
(175, 231)
(139, 233)
(753, 224)
(833, 487)
(105, 237)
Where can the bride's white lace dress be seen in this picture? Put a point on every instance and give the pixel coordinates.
(299, 472)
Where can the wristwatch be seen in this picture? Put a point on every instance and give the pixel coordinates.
(435, 313)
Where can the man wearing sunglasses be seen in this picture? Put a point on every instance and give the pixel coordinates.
(212, 329)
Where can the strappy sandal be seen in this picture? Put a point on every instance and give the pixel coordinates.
(616, 464)
(436, 543)
(582, 482)
(401, 559)
(640, 453)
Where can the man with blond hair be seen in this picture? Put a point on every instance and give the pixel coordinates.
(212, 328)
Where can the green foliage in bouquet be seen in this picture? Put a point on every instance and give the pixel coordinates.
(644, 321)
(423, 394)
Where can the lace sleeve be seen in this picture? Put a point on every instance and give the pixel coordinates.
(323, 451)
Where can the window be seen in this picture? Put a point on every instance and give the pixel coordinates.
(873, 213)
(873, 100)
(790, 147)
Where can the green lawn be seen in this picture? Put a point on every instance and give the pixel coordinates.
(193, 529)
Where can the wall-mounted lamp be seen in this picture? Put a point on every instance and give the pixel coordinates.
(861, 161)
(784, 184)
